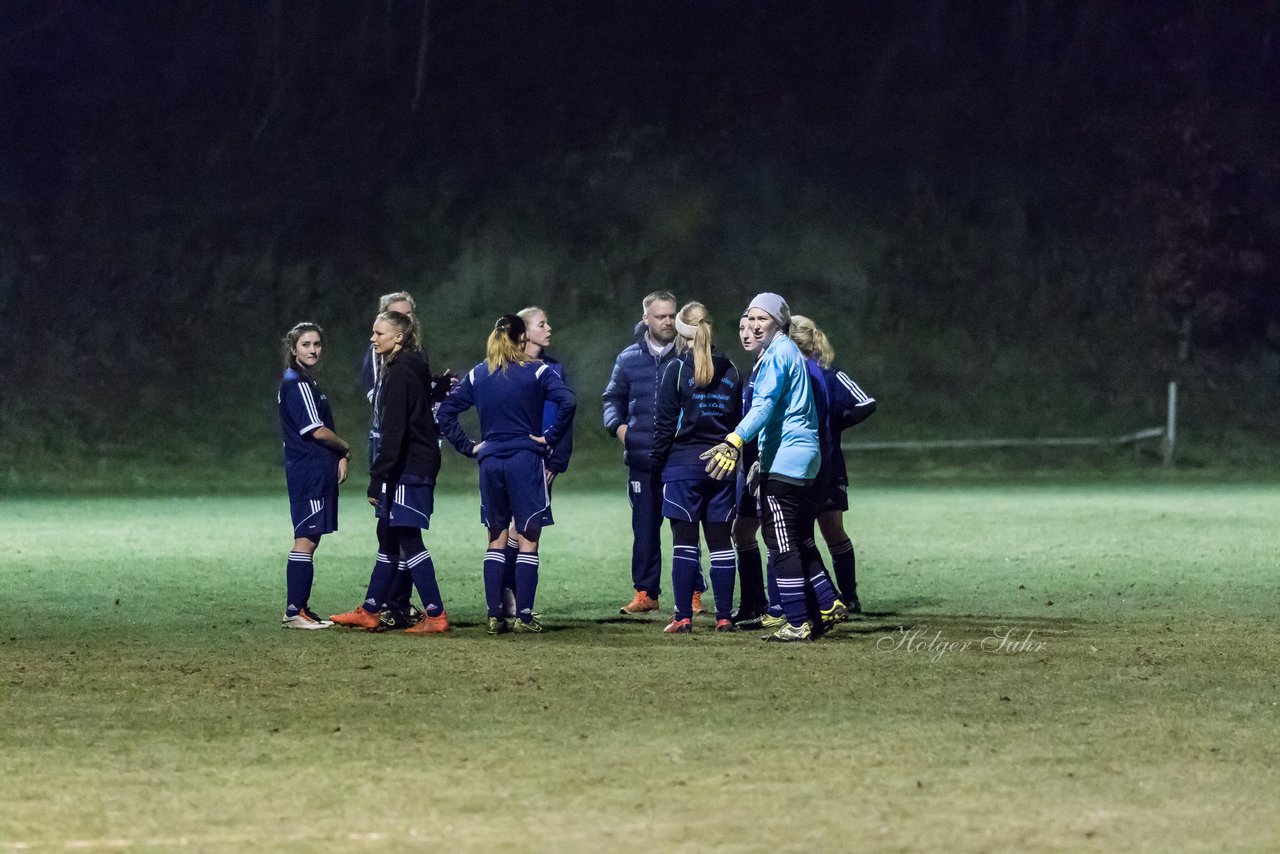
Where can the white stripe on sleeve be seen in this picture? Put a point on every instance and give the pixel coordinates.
(860, 395)
(309, 402)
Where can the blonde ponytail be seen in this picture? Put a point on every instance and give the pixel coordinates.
(811, 340)
(694, 325)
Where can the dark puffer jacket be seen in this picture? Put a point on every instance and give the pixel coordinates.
(631, 397)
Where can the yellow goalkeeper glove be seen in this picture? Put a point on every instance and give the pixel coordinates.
(723, 458)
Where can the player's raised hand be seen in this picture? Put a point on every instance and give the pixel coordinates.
(723, 458)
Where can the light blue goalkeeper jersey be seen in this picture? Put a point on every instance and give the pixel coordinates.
(783, 414)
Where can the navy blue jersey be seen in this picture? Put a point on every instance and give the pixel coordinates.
(558, 462)
(310, 468)
(689, 419)
(511, 404)
(828, 444)
(841, 404)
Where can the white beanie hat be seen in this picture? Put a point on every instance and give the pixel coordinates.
(773, 305)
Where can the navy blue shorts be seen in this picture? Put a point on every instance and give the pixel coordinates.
(514, 487)
(834, 497)
(410, 505)
(703, 500)
(314, 516)
(547, 519)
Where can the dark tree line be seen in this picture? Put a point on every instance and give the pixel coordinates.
(207, 171)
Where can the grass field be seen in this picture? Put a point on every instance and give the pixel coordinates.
(150, 702)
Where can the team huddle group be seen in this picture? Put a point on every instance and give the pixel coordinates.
(720, 457)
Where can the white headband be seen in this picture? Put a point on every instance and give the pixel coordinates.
(685, 329)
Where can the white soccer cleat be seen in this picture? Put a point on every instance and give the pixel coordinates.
(303, 620)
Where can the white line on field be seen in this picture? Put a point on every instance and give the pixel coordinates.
(181, 841)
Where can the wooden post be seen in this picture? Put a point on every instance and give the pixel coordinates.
(1167, 444)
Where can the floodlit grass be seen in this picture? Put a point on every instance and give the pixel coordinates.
(150, 701)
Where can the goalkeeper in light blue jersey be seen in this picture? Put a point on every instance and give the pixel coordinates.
(785, 419)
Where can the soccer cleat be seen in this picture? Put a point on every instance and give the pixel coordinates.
(303, 620)
(747, 618)
(698, 610)
(725, 626)
(429, 625)
(306, 609)
(855, 607)
(791, 634)
(837, 613)
(357, 619)
(498, 626)
(679, 626)
(769, 621)
(642, 603)
(533, 627)
(509, 603)
(399, 618)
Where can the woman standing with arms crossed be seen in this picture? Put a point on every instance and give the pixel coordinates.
(315, 462)
(402, 474)
(699, 399)
(509, 390)
(841, 404)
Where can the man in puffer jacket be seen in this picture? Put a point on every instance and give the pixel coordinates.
(629, 403)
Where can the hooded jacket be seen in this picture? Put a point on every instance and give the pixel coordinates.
(408, 449)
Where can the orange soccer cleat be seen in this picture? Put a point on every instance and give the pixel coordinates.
(641, 604)
(429, 625)
(357, 619)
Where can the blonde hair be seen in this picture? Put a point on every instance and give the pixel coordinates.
(403, 296)
(657, 296)
(405, 325)
(506, 344)
(695, 314)
(811, 340)
(399, 296)
(528, 313)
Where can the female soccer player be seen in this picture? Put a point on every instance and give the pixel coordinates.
(537, 337)
(752, 604)
(698, 402)
(402, 474)
(783, 415)
(315, 462)
(842, 404)
(509, 390)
